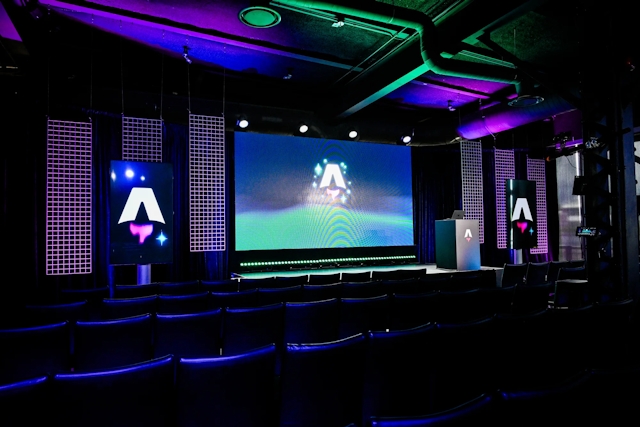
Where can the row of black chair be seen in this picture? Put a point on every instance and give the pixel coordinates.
(537, 273)
(379, 379)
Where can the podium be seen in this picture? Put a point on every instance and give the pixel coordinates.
(457, 244)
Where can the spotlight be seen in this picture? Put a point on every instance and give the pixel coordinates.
(185, 54)
(406, 139)
(339, 22)
(353, 134)
(242, 123)
(303, 128)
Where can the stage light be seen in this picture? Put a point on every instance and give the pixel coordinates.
(353, 134)
(303, 128)
(406, 139)
(242, 122)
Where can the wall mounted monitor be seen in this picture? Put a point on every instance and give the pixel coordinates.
(141, 212)
(294, 193)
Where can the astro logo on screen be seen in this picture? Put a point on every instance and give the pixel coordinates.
(332, 183)
(141, 212)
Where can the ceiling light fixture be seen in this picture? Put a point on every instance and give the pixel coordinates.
(303, 128)
(353, 134)
(339, 22)
(259, 17)
(242, 122)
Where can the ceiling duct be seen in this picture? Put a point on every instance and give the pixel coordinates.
(406, 63)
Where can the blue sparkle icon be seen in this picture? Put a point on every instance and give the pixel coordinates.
(343, 198)
(531, 231)
(318, 169)
(161, 238)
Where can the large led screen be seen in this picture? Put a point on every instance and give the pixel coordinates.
(141, 212)
(308, 193)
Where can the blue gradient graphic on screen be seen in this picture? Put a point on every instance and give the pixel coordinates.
(306, 193)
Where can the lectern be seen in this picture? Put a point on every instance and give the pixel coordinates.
(457, 244)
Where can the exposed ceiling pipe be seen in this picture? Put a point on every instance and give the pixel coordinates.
(382, 79)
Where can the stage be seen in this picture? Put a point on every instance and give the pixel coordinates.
(429, 268)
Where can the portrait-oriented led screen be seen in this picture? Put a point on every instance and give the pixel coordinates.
(306, 193)
(141, 213)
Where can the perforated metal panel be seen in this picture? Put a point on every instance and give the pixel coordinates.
(206, 183)
(505, 169)
(536, 172)
(141, 139)
(68, 237)
(472, 197)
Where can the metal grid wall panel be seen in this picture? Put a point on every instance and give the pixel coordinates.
(206, 183)
(472, 199)
(536, 172)
(505, 169)
(141, 139)
(68, 198)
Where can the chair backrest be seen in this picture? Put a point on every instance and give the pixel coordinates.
(34, 351)
(321, 292)
(413, 310)
(513, 274)
(554, 267)
(464, 281)
(223, 285)
(248, 328)
(287, 281)
(183, 304)
(435, 282)
(537, 273)
(363, 289)
(91, 295)
(481, 410)
(323, 279)
(571, 293)
(255, 283)
(188, 335)
(459, 306)
(16, 397)
(108, 344)
(135, 291)
(45, 314)
(185, 287)
(246, 298)
(355, 276)
(321, 383)
(140, 394)
(397, 363)
(361, 315)
(530, 299)
(120, 308)
(398, 274)
(237, 390)
(496, 300)
(578, 273)
(311, 322)
(268, 296)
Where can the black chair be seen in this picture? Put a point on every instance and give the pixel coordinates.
(287, 281)
(571, 293)
(323, 278)
(482, 410)
(554, 267)
(245, 284)
(435, 282)
(188, 335)
(311, 322)
(465, 281)
(135, 395)
(25, 402)
(223, 285)
(185, 287)
(355, 276)
(363, 289)
(404, 286)
(34, 351)
(456, 379)
(183, 304)
(120, 308)
(246, 298)
(612, 345)
(398, 274)
(413, 310)
(45, 314)
(531, 299)
(267, 296)
(108, 344)
(398, 372)
(228, 391)
(93, 296)
(361, 315)
(321, 383)
(537, 273)
(577, 273)
(570, 337)
(459, 306)
(321, 292)
(513, 274)
(135, 291)
(496, 300)
(245, 329)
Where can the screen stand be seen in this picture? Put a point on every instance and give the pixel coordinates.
(516, 256)
(144, 274)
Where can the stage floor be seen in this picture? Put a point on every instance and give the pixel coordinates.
(430, 269)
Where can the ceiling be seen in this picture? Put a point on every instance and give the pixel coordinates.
(440, 70)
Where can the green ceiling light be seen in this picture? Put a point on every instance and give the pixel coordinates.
(259, 17)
